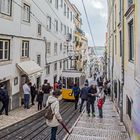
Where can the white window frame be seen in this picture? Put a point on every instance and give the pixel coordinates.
(56, 4)
(39, 59)
(39, 29)
(6, 7)
(48, 48)
(26, 13)
(55, 48)
(4, 50)
(47, 69)
(25, 47)
(49, 22)
(55, 66)
(56, 25)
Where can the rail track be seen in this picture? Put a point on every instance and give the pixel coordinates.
(34, 127)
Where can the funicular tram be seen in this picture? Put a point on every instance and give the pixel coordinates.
(69, 78)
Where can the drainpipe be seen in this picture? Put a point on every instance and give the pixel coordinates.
(122, 62)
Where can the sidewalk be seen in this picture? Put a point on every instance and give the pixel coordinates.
(108, 128)
(17, 115)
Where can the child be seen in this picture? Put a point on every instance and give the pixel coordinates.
(101, 97)
(40, 98)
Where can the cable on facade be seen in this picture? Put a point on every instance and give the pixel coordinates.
(37, 20)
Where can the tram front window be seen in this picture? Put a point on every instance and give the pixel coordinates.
(70, 83)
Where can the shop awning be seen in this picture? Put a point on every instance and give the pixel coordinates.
(29, 68)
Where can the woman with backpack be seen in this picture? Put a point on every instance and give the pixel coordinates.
(53, 117)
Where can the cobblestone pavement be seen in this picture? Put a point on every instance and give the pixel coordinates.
(94, 128)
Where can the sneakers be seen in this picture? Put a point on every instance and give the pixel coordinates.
(93, 114)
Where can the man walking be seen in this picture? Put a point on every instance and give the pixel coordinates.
(76, 92)
(4, 97)
(83, 95)
(27, 91)
(92, 92)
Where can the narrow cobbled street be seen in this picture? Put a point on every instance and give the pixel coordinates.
(108, 128)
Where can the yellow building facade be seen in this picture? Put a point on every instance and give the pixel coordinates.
(123, 43)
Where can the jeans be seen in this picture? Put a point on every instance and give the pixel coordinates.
(82, 102)
(26, 100)
(92, 106)
(100, 112)
(53, 133)
(39, 105)
(5, 107)
(76, 101)
(45, 97)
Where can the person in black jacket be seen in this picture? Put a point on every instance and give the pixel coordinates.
(33, 93)
(40, 98)
(4, 97)
(92, 92)
(83, 95)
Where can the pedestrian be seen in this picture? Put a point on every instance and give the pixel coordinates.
(83, 96)
(46, 88)
(4, 98)
(27, 92)
(92, 92)
(101, 100)
(40, 98)
(56, 85)
(33, 93)
(55, 122)
(76, 92)
(86, 82)
(108, 87)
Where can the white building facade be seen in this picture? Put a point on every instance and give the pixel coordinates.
(33, 42)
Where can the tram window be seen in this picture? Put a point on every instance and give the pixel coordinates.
(77, 81)
(64, 82)
(70, 83)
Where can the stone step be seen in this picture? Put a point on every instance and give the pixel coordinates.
(80, 137)
(101, 133)
(101, 126)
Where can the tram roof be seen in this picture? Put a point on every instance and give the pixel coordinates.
(72, 73)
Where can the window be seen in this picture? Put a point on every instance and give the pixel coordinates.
(39, 60)
(25, 49)
(67, 12)
(61, 27)
(60, 64)
(56, 4)
(4, 50)
(130, 2)
(61, 3)
(71, 16)
(64, 9)
(49, 22)
(6, 7)
(55, 66)
(55, 48)
(39, 29)
(48, 48)
(56, 25)
(65, 30)
(120, 13)
(50, 1)
(131, 40)
(120, 43)
(48, 69)
(26, 13)
(60, 46)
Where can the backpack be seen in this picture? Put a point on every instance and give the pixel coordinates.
(100, 103)
(49, 114)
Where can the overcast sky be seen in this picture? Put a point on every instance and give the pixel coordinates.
(97, 13)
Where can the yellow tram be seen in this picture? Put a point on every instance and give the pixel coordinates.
(69, 78)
